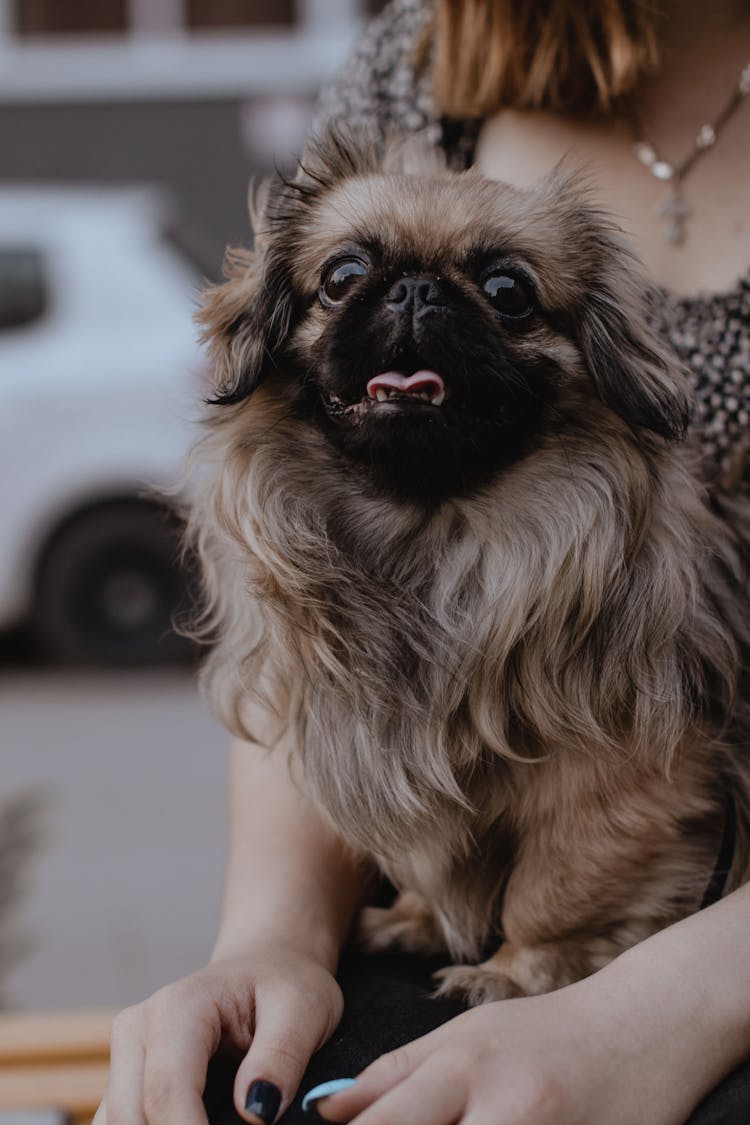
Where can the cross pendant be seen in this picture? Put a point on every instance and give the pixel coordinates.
(675, 212)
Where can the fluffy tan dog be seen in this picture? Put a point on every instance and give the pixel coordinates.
(455, 552)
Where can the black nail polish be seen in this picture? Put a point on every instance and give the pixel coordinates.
(263, 1099)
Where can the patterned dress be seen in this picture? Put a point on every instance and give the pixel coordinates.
(381, 88)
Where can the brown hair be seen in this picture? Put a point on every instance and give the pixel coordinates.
(532, 54)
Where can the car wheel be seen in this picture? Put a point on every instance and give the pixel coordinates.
(109, 586)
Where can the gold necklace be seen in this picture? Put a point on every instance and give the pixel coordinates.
(675, 210)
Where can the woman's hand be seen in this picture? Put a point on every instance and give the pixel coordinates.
(644, 1039)
(545, 1060)
(275, 1005)
(269, 992)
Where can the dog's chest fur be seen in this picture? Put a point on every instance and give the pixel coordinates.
(441, 675)
(386, 715)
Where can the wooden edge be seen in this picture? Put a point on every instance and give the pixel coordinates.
(31, 1037)
(76, 1089)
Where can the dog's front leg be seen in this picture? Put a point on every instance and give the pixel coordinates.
(409, 924)
(586, 888)
(531, 961)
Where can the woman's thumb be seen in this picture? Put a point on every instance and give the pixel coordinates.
(287, 1032)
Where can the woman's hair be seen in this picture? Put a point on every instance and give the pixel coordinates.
(569, 55)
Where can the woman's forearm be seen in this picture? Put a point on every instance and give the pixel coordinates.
(682, 999)
(290, 881)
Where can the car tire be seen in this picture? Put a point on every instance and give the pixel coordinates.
(109, 586)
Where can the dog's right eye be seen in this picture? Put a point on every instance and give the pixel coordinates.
(338, 279)
(510, 293)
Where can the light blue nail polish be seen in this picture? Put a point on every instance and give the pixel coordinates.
(325, 1089)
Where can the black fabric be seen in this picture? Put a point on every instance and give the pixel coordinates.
(388, 1002)
(715, 888)
(729, 1103)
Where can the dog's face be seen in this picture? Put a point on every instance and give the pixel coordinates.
(436, 327)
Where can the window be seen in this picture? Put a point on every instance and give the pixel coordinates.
(45, 17)
(23, 296)
(240, 13)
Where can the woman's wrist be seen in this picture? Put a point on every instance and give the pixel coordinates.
(313, 918)
(319, 944)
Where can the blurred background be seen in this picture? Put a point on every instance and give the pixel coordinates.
(128, 132)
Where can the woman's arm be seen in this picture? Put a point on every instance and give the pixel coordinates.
(268, 991)
(686, 993)
(643, 1040)
(289, 878)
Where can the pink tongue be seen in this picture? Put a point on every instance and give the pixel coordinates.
(420, 381)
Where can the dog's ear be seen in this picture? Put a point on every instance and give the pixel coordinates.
(632, 370)
(246, 320)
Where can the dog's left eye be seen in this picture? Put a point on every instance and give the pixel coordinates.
(338, 279)
(510, 294)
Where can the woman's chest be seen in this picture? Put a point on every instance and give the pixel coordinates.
(715, 199)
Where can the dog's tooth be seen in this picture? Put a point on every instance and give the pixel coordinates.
(381, 395)
(438, 398)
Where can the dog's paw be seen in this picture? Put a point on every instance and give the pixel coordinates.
(514, 971)
(476, 984)
(408, 925)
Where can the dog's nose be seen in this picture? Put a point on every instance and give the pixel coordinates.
(416, 295)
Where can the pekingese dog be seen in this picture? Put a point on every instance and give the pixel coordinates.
(457, 559)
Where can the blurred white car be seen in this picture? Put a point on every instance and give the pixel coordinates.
(100, 380)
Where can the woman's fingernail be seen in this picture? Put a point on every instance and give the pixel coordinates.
(263, 1099)
(325, 1089)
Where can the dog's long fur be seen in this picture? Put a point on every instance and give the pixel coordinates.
(524, 700)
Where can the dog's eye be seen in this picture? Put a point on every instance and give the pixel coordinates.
(339, 277)
(510, 294)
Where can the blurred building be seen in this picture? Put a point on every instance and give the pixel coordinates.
(195, 95)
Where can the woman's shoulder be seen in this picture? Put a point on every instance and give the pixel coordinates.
(382, 87)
